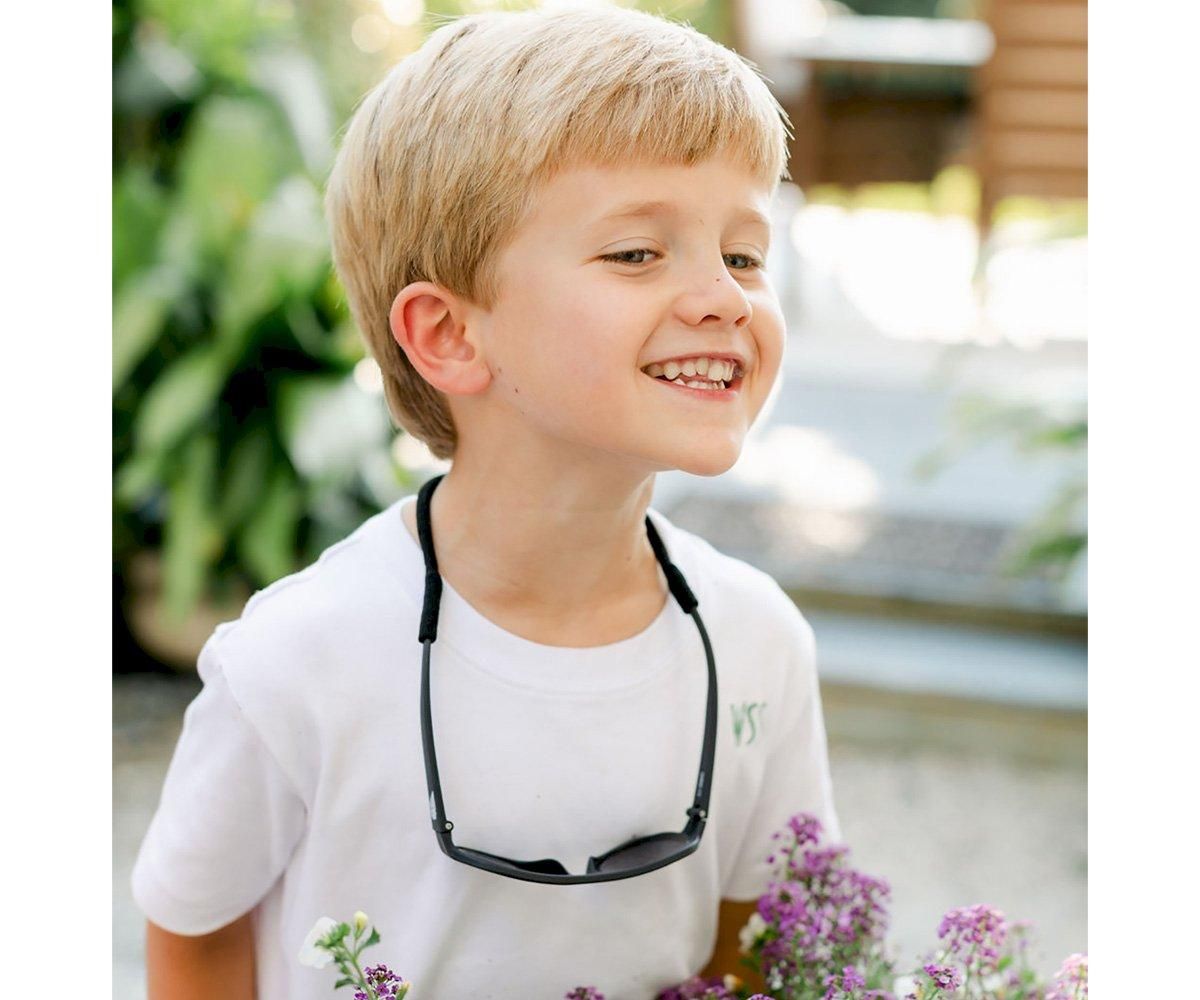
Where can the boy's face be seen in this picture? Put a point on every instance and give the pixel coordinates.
(572, 332)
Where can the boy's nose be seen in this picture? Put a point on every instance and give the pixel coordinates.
(717, 301)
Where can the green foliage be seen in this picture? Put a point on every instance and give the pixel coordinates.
(241, 438)
(1057, 537)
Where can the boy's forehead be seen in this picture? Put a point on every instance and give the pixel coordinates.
(594, 196)
(659, 208)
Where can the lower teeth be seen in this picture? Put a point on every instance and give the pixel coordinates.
(696, 383)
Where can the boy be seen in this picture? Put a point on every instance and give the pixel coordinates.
(551, 227)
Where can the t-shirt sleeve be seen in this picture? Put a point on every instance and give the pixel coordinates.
(227, 822)
(796, 775)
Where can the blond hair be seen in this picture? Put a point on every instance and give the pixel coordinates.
(442, 160)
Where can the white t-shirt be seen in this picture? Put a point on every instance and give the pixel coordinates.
(297, 788)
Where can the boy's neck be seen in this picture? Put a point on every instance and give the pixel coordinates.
(560, 570)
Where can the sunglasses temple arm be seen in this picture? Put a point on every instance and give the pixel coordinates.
(698, 813)
(437, 809)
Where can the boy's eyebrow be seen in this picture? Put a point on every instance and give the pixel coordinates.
(646, 209)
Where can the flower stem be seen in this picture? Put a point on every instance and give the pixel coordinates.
(363, 979)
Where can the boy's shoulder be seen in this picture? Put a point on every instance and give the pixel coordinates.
(740, 593)
(321, 610)
(306, 650)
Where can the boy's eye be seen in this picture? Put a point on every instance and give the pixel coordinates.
(621, 257)
(754, 264)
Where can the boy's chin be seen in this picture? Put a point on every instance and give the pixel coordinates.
(706, 463)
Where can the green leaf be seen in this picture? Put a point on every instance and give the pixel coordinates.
(139, 311)
(1057, 551)
(267, 540)
(233, 157)
(314, 337)
(138, 209)
(294, 80)
(246, 471)
(180, 245)
(219, 36)
(372, 939)
(191, 537)
(153, 76)
(183, 394)
(344, 981)
(284, 254)
(1072, 434)
(137, 476)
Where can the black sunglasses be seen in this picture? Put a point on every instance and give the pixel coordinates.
(634, 857)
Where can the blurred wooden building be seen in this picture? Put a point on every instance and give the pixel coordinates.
(1032, 100)
(878, 98)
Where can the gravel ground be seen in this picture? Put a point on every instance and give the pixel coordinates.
(953, 802)
(957, 803)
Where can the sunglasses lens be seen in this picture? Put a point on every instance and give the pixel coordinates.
(547, 866)
(641, 852)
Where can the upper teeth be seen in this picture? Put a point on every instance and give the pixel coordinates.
(711, 368)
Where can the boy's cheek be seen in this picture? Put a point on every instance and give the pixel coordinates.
(769, 334)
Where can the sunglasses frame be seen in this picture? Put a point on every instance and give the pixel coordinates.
(548, 871)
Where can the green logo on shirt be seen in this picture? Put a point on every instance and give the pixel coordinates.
(745, 725)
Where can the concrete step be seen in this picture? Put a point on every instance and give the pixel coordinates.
(952, 661)
(922, 558)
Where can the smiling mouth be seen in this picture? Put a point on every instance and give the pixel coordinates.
(701, 373)
(699, 385)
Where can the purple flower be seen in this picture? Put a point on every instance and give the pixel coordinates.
(806, 828)
(944, 977)
(386, 984)
(821, 915)
(1070, 982)
(698, 988)
(846, 981)
(584, 993)
(976, 936)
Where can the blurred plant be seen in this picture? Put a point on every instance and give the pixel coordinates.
(1071, 980)
(817, 934)
(1055, 539)
(819, 931)
(727, 987)
(342, 943)
(820, 926)
(243, 445)
(982, 957)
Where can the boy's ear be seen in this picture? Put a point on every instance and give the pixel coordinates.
(430, 325)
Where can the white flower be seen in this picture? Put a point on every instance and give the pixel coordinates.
(360, 921)
(310, 954)
(751, 932)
